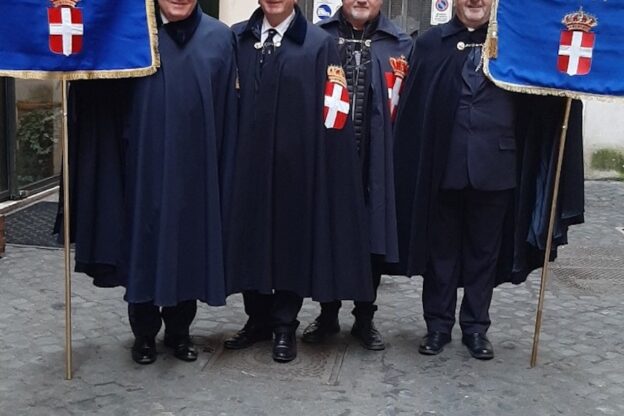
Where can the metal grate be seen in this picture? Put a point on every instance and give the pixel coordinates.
(592, 270)
(317, 363)
(33, 225)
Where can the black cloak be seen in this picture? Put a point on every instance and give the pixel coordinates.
(422, 136)
(297, 220)
(96, 111)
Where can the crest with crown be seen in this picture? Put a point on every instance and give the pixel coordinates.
(337, 75)
(399, 66)
(64, 3)
(580, 21)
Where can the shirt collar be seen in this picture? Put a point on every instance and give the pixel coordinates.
(281, 28)
(456, 26)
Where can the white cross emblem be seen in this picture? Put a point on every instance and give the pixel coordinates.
(575, 51)
(67, 30)
(335, 105)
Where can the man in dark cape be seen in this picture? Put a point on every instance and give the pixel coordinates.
(297, 223)
(474, 171)
(179, 132)
(374, 53)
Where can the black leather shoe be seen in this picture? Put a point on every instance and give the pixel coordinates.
(144, 350)
(248, 336)
(284, 346)
(317, 331)
(479, 346)
(433, 343)
(183, 348)
(368, 335)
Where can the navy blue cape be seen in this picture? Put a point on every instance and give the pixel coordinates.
(388, 41)
(297, 219)
(156, 153)
(180, 140)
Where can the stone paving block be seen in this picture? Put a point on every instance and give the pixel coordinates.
(582, 310)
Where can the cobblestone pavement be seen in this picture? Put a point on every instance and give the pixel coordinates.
(580, 371)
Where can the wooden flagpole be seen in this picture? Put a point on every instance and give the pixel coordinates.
(66, 238)
(551, 226)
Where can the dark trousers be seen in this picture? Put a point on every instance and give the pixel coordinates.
(277, 311)
(361, 310)
(466, 233)
(146, 318)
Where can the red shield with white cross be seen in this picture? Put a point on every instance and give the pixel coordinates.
(394, 83)
(66, 30)
(575, 52)
(336, 108)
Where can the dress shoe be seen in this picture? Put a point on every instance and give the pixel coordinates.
(284, 346)
(317, 331)
(368, 335)
(144, 350)
(479, 346)
(248, 336)
(433, 343)
(183, 348)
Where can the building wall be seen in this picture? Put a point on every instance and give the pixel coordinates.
(233, 11)
(604, 124)
(604, 139)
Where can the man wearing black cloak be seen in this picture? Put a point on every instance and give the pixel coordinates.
(374, 53)
(165, 148)
(297, 223)
(474, 172)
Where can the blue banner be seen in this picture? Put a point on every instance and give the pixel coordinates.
(563, 47)
(77, 39)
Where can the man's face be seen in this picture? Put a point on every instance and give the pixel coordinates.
(276, 11)
(358, 12)
(473, 13)
(176, 10)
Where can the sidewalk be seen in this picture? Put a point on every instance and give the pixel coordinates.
(580, 370)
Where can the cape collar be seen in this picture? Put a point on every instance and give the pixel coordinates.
(182, 31)
(296, 32)
(383, 24)
(455, 26)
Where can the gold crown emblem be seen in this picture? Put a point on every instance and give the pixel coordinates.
(400, 67)
(64, 3)
(337, 75)
(580, 21)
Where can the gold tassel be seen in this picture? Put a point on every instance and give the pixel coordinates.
(491, 46)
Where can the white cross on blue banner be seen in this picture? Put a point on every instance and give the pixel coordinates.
(77, 39)
(573, 48)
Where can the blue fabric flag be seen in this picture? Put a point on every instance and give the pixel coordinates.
(77, 39)
(562, 47)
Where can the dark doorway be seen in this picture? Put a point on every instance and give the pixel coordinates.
(210, 7)
(5, 134)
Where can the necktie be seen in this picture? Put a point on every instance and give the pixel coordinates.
(268, 50)
(475, 57)
(268, 47)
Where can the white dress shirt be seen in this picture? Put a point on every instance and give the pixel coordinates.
(281, 29)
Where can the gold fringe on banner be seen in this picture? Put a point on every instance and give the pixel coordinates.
(108, 74)
(491, 53)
